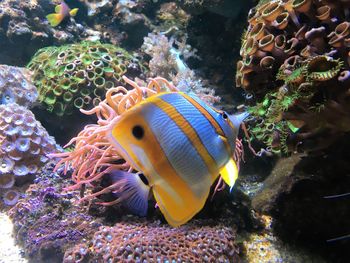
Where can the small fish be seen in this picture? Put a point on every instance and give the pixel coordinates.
(61, 11)
(180, 145)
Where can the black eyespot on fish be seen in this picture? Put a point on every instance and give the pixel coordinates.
(143, 178)
(138, 132)
(224, 115)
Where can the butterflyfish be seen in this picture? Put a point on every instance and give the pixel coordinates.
(61, 12)
(180, 145)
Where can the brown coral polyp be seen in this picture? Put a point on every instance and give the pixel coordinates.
(302, 6)
(342, 29)
(323, 13)
(282, 20)
(267, 43)
(323, 68)
(258, 31)
(272, 11)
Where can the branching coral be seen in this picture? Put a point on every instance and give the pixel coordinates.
(152, 242)
(78, 75)
(168, 62)
(16, 86)
(24, 145)
(294, 69)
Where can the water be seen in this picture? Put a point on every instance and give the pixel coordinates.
(97, 164)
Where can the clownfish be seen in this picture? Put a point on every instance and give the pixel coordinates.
(61, 11)
(180, 145)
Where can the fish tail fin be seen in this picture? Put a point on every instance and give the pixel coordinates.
(239, 118)
(230, 173)
(73, 12)
(54, 19)
(133, 192)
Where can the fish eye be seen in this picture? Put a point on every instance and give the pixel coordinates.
(138, 132)
(224, 115)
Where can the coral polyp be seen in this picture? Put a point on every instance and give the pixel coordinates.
(77, 76)
(24, 145)
(295, 59)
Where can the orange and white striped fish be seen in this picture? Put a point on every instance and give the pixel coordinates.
(180, 145)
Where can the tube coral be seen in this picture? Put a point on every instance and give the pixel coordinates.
(294, 69)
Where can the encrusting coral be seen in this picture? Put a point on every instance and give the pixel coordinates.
(76, 76)
(295, 71)
(154, 242)
(24, 144)
(16, 86)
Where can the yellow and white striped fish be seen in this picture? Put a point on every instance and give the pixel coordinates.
(181, 145)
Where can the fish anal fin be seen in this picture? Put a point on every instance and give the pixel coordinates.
(180, 209)
(133, 193)
(229, 173)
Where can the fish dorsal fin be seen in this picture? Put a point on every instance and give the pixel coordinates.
(58, 9)
(230, 173)
(178, 207)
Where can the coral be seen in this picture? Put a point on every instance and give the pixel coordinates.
(77, 76)
(172, 18)
(168, 62)
(294, 70)
(95, 7)
(51, 227)
(24, 146)
(151, 242)
(93, 156)
(47, 222)
(16, 86)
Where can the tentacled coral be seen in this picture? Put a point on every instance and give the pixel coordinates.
(93, 156)
(295, 59)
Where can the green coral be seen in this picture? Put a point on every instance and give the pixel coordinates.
(300, 85)
(77, 75)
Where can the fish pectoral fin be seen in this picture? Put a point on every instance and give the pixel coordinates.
(230, 173)
(74, 11)
(54, 19)
(58, 9)
(177, 209)
(132, 191)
